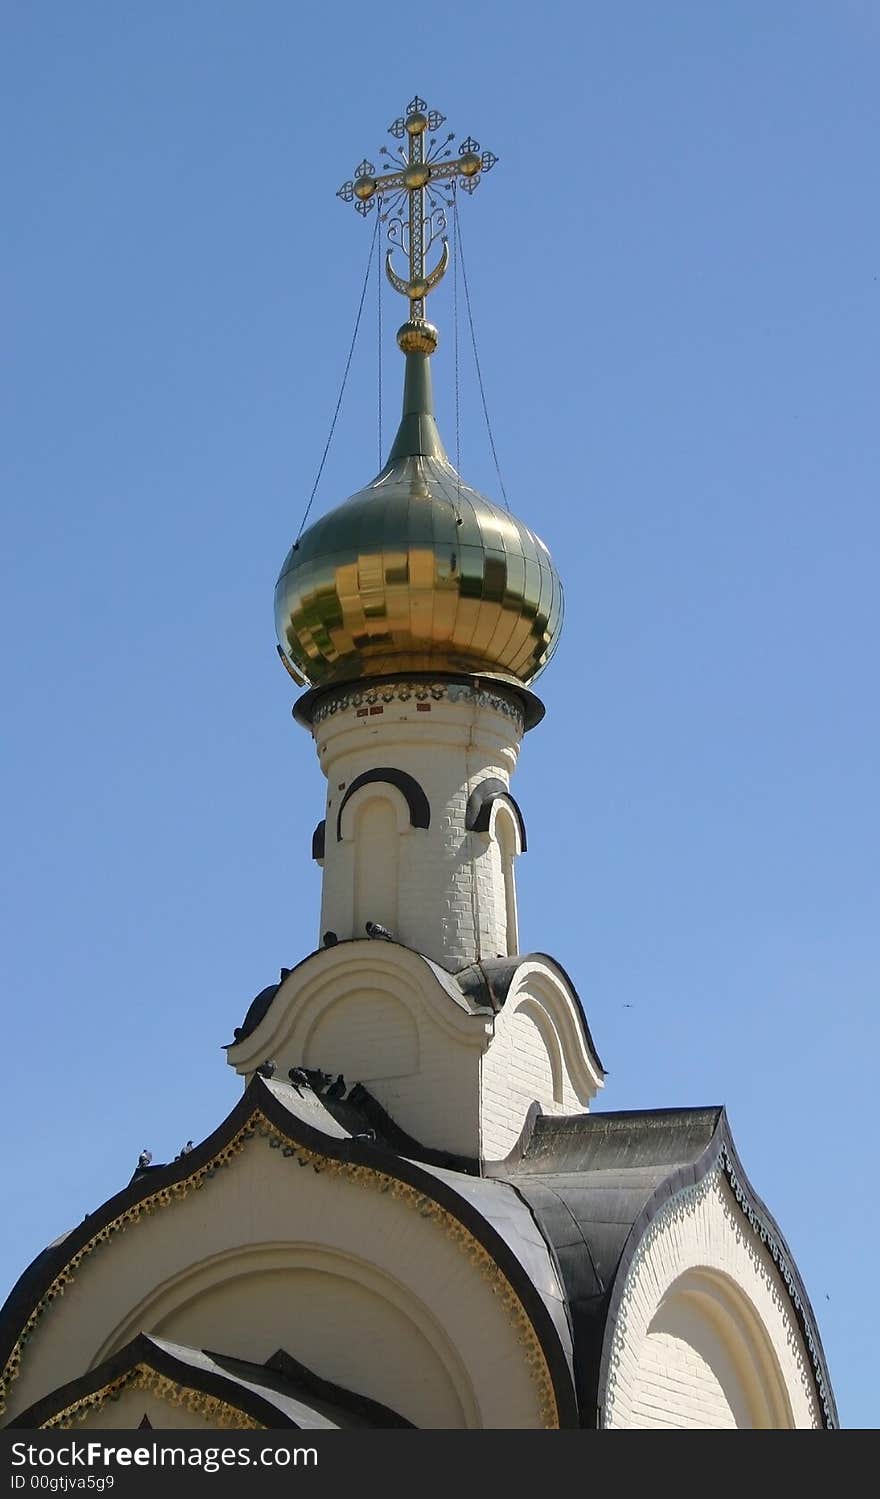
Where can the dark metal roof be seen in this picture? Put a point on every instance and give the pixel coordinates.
(595, 1182)
(281, 1393)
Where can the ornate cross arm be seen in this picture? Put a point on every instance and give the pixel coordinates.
(413, 199)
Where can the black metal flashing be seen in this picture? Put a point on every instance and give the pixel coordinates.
(269, 1393)
(259, 1007)
(375, 1414)
(407, 785)
(482, 799)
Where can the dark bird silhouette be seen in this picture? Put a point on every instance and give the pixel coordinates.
(373, 929)
(329, 939)
(299, 1077)
(184, 1150)
(267, 1069)
(337, 1089)
(317, 1079)
(144, 1159)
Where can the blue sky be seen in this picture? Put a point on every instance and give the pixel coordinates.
(675, 270)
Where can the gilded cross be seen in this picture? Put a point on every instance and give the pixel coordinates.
(414, 197)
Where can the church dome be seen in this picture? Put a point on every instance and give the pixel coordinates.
(418, 572)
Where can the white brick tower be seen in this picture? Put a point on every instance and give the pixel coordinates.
(421, 833)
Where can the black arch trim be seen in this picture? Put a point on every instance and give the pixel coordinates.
(479, 808)
(318, 838)
(407, 785)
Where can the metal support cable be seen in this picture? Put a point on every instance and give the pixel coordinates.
(467, 298)
(379, 280)
(455, 346)
(357, 325)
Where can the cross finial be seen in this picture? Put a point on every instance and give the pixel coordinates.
(413, 200)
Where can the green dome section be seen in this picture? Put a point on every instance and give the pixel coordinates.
(418, 572)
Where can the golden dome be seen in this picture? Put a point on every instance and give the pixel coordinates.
(417, 572)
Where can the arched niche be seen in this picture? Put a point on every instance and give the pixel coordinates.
(330, 1309)
(504, 827)
(376, 835)
(705, 1361)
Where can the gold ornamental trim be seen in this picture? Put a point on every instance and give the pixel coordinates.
(362, 1175)
(217, 1412)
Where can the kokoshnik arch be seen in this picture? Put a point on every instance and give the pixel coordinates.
(413, 1163)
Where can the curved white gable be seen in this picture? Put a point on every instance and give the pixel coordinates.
(347, 1272)
(704, 1335)
(537, 1054)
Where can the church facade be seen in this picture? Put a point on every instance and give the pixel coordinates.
(414, 1216)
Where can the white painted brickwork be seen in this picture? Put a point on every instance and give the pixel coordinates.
(704, 1335)
(451, 903)
(525, 1063)
(680, 1389)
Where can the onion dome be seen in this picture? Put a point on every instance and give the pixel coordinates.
(417, 572)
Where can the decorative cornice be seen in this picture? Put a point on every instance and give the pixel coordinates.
(763, 1226)
(346, 1158)
(483, 696)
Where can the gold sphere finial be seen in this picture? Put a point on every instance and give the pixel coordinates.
(364, 188)
(416, 123)
(417, 338)
(416, 176)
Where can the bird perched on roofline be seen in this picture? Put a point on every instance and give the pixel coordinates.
(316, 1079)
(184, 1150)
(144, 1159)
(299, 1077)
(338, 1089)
(376, 930)
(267, 1069)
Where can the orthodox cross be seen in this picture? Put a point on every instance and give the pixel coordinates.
(414, 198)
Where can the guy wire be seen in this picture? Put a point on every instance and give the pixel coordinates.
(455, 344)
(357, 325)
(379, 279)
(467, 298)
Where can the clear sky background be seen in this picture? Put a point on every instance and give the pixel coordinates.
(675, 270)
